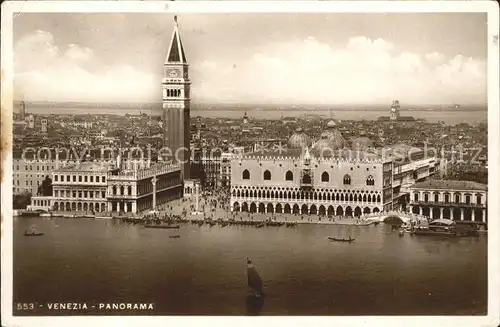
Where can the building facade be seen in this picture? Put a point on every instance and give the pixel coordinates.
(176, 102)
(305, 184)
(330, 179)
(98, 187)
(450, 199)
(145, 189)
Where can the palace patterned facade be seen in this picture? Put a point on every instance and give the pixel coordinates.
(329, 179)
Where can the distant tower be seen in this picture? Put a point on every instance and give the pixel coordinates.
(44, 125)
(245, 119)
(23, 110)
(177, 103)
(395, 110)
(31, 121)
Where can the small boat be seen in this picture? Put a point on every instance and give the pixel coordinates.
(254, 281)
(349, 240)
(174, 236)
(401, 232)
(164, 226)
(33, 234)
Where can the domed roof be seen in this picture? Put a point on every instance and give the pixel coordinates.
(331, 124)
(362, 143)
(299, 140)
(335, 138)
(324, 147)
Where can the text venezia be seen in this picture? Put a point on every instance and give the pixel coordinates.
(101, 306)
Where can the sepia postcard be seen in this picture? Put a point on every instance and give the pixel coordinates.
(185, 162)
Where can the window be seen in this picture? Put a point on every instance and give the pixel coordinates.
(289, 176)
(267, 175)
(415, 197)
(246, 174)
(85, 179)
(325, 177)
(114, 189)
(347, 180)
(103, 179)
(97, 179)
(446, 198)
(91, 179)
(103, 194)
(306, 179)
(370, 181)
(74, 178)
(43, 167)
(79, 178)
(129, 190)
(68, 178)
(37, 167)
(457, 198)
(467, 199)
(426, 197)
(74, 194)
(55, 178)
(17, 167)
(478, 198)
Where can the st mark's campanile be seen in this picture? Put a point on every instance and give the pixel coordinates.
(176, 101)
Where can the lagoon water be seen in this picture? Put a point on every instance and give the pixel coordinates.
(204, 271)
(451, 117)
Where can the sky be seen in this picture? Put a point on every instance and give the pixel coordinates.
(286, 58)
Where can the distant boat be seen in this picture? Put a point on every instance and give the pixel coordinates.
(32, 234)
(174, 236)
(349, 240)
(254, 280)
(164, 226)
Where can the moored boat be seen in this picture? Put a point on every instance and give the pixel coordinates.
(348, 240)
(438, 227)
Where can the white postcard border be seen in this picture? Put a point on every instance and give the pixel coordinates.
(11, 7)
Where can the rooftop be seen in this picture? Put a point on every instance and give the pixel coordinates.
(87, 166)
(450, 184)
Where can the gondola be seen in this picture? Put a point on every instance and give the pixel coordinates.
(348, 240)
(33, 234)
(174, 236)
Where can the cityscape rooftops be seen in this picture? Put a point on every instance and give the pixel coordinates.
(450, 184)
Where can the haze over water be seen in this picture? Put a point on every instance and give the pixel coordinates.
(204, 271)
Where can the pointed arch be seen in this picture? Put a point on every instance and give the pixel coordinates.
(370, 181)
(236, 206)
(246, 174)
(289, 176)
(339, 211)
(347, 179)
(325, 177)
(267, 175)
